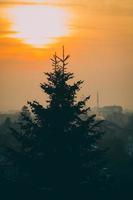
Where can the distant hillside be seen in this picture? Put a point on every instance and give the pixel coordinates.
(115, 114)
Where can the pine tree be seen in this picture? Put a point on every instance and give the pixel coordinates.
(63, 138)
(24, 133)
(68, 135)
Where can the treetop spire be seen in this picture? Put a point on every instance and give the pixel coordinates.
(61, 62)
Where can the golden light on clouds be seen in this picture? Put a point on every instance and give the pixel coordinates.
(38, 25)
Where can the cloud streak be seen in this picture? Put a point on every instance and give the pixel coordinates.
(68, 4)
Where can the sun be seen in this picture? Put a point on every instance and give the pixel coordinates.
(39, 25)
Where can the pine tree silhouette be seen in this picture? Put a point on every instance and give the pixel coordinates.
(24, 132)
(67, 158)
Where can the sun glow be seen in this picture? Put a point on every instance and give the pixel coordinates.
(38, 25)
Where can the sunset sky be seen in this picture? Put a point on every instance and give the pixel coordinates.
(97, 34)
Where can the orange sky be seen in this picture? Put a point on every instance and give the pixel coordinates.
(97, 34)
